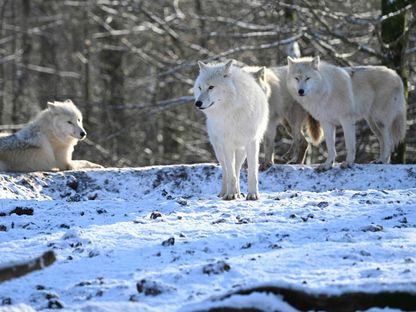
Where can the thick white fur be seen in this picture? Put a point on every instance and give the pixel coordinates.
(379, 98)
(283, 109)
(329, 98)
(47, 142)
(237, 111)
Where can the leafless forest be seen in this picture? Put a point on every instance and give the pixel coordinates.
(129, 65)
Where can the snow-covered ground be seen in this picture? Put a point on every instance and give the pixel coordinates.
(158, 238)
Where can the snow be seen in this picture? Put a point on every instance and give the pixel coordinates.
(159, 239)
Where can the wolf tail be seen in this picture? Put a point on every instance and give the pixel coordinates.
(398, 128)
(314, 130)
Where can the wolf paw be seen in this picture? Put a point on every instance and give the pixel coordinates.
(265, 165)
(252, 196)
(376, 162)
(346, 165)
(323, 167)
(231, 196)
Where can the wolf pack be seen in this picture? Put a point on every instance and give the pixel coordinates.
(243, 106)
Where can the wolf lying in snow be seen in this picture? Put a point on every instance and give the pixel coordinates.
(379, 99)
(283, 109)
(237, 111)
(325, 91)
(47, 142)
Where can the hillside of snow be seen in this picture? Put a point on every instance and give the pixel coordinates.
(159, 239)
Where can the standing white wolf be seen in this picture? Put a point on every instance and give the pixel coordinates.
(236, 109)
(379, 99)
(325, 91)
(283, 109)
(47, 142)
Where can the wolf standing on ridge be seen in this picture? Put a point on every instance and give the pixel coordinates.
(325, 91)
(283, 109)
(236, 109)
(47, 142)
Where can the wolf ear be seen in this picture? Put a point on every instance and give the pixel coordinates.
(259, 75)
(51, 106)
(201, 65)
(315, 62)
(227, 68)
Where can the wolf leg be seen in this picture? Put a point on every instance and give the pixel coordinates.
(219, 154)
(348, 126)
(240, 156)
(299, 143)
(229, 160)
(252, 176)
(387, 143)
(329, 133)
(374, 127)
(269, 137)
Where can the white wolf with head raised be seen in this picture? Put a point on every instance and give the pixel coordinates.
(236, 109)
(46, 143)
(325, 91)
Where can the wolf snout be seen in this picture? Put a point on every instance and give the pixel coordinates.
(83, 134)
(301, 92)
(198, 104)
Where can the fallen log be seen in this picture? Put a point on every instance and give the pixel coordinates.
(348, 301)
(16, 270)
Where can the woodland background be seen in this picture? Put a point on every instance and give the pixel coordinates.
(130, 65)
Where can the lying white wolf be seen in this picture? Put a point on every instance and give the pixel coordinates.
(283, 109)
(325, 91)
(237, 111)
(47, 142)
(379, 99)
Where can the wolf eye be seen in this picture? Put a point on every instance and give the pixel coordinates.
(70, 122)
(307, 78)
(297, 79)
(210, 87)
(199, 88)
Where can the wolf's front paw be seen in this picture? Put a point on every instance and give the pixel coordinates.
(252, 196)
(97, 166)
(231, 196)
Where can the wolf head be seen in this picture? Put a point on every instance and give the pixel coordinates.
(213, 86)
(303, 75)
(66, 120)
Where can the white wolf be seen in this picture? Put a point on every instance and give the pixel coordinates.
(237, 111)
(325, 91)
(379, 99)
(47, 142)
(283, 109)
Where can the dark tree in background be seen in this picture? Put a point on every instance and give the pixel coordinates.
(130, 65)
(394, 36)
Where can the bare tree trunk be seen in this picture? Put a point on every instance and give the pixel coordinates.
(394, 37)
(2, 54)
(21, 68)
